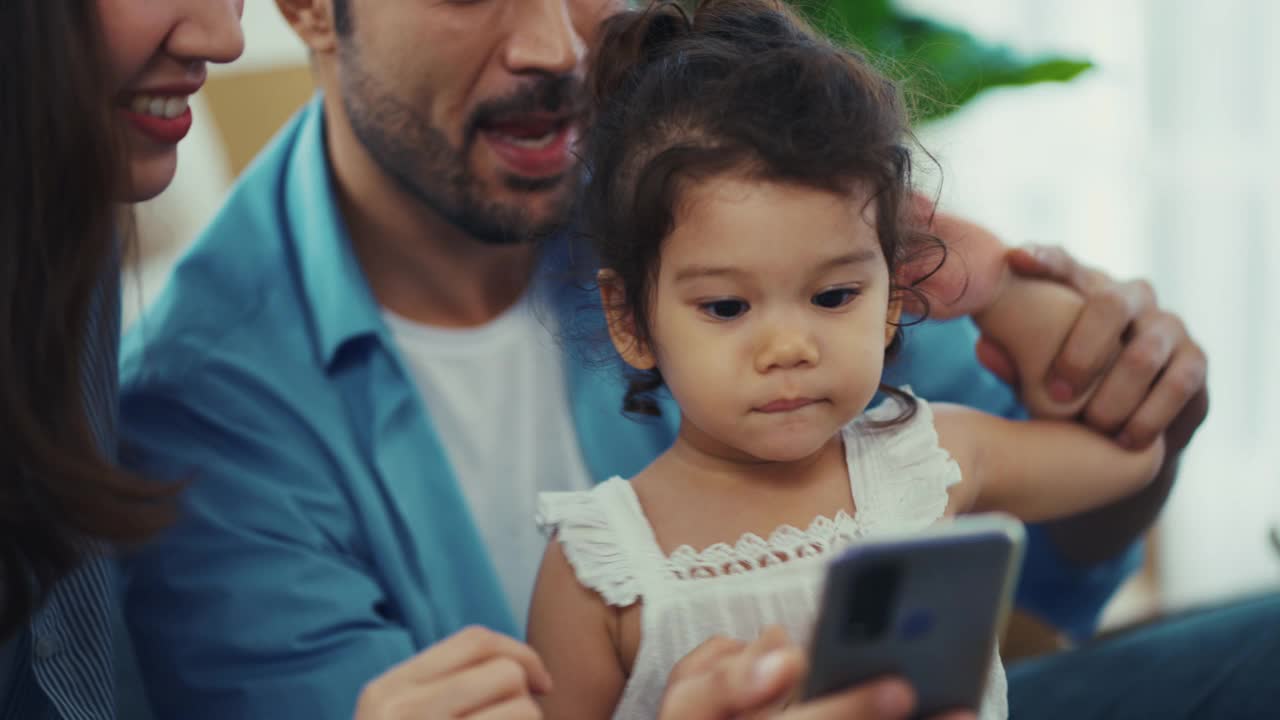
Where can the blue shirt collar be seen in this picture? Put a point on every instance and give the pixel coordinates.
(339, 302)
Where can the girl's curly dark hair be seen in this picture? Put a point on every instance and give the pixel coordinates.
(733, 86)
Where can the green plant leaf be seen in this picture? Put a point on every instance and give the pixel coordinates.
(942, 67)
(840, 16)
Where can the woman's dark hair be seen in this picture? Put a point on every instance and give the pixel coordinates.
(741, 87)
(62, 171)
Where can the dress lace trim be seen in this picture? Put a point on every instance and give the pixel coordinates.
(898, 478)
(786, 544)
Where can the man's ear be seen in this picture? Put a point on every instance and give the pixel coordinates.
(893, 317)
(312, 20)
(621, 321)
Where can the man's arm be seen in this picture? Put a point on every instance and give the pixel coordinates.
(1098, 535)
(253, 605)
(1072, 567)
(261, 602)
(1147, 378)
(1126, 368)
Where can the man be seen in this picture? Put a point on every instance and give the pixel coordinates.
(356, 370)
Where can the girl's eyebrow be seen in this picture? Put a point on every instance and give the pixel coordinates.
(693, 272)
(857, 257)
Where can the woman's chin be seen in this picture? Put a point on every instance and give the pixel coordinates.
(150, 176)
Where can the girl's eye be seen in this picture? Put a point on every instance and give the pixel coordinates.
(724, 309)
(834, 298)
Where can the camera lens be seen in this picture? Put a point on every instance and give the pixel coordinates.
(871, 592)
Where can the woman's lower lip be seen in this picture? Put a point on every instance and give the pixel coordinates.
(534, 163)
(779, 406)
(165, 131)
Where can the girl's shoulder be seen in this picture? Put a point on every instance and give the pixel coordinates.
(899, 472)
(599, 531)
(902, 430)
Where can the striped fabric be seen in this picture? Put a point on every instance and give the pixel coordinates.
(64, 669)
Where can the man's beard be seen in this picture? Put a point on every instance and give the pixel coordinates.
(420, 158)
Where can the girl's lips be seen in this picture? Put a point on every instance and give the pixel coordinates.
(782, 406)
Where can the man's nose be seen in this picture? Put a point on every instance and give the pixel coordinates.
(543, 39)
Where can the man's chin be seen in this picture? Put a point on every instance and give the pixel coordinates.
(506, 224)
(540, 212)
(536, 186)
(502, 208)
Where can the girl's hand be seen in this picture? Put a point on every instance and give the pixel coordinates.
(725, 679)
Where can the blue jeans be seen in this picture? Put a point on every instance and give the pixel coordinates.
(1221, 664)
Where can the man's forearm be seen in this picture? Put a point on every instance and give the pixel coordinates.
(1099, 535)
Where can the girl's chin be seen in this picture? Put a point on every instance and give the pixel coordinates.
(787, 452)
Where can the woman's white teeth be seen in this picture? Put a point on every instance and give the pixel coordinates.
(168, 106)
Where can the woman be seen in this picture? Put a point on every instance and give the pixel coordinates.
(93, 101)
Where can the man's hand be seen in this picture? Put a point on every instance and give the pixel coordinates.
(475, 673)
(1151, 373)
(725, 679)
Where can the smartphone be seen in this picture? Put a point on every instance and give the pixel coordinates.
(927, 607)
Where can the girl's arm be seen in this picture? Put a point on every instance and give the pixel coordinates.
(1038, 470)
(570, 627)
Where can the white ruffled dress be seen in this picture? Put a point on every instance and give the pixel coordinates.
(898, 477)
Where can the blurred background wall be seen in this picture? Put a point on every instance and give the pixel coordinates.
(1161, 162)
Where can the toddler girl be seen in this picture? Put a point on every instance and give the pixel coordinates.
(749, 205)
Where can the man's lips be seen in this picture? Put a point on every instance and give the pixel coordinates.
(788, 405)
(532, 146)
(527, 125)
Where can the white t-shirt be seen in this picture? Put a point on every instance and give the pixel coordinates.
(496, 395)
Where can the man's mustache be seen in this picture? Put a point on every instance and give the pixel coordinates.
(562, 95)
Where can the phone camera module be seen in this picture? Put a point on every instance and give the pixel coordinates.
(872, 593)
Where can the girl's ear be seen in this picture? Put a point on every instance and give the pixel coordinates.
(621, 321)
(892, 318)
